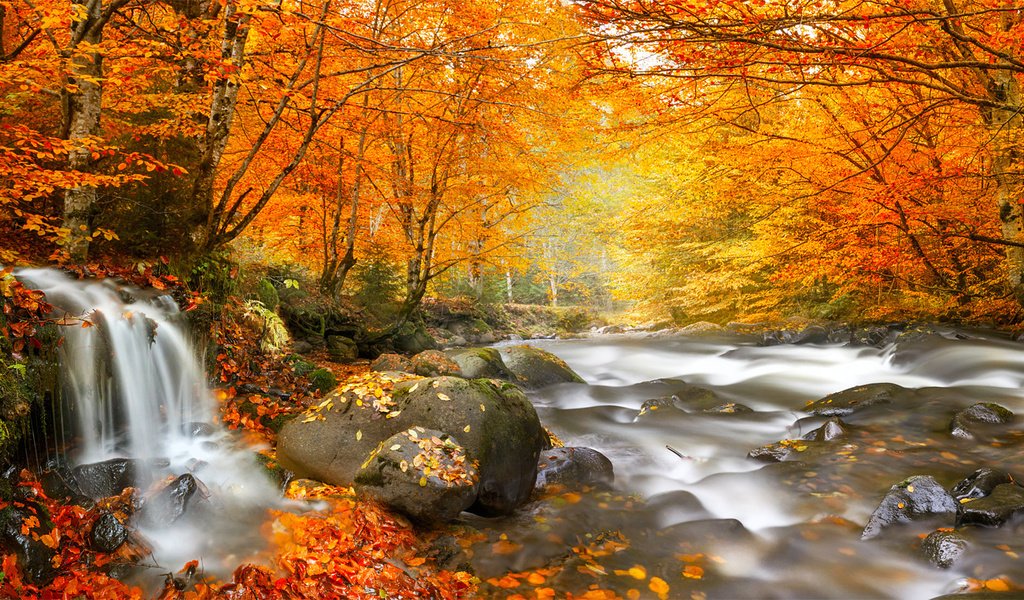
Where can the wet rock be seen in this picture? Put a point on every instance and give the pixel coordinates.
(574, 467)
(914, 498)
(993, 510)
(535, 368)
(108, 533)
(108, 478)
(981, 413)
(846, 402)
(729, 408)
(494, 421)
(481, 363)
(669, 508)
(943, 548)
(198, 429)
(770, 453)
(686, 397)
(58, 481)
(34, 557)
(980, 483)
(709, 531)
(169, 504)
(833, 429)
(434, 363)
(391, 362)
(342, 349)
(422, 473)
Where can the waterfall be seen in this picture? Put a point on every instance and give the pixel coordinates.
(130, 374)
(132, 383)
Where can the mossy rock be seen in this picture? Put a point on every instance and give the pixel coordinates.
(481, 363)
(322, 380)
(267, 294)
(535, 368)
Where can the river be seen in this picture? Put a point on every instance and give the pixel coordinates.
(715, 523)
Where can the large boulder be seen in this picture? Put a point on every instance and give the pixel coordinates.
(849, 401)
(341, 348)
(391, 362)
(481, 363)
(423, 473)
(494, 422)
(535, 368)
(433, 363)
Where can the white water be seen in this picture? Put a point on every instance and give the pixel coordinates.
(777, 382)
(132, 381)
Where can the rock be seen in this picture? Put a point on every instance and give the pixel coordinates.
(1005, 501)
(686, 397)
(413, 339)
(812, 334)
(481, 363)
(198, 429)
(422, 473)
(391, 362)
(701, 327)
(832, 429)
(322, 380)
(342, 349)
(914, 498)
(301, 347)
(169, 504)
(495, 422)
(434, 363)
(980, 484)
(108, 533)
(846, 402)
(536, 368)
(777, 452)
(58, 481)
(35, 558)
(943, 548)
(729, 408)
(110, 477)
(574, 467)
(982, 412)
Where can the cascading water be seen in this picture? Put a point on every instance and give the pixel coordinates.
(135, 389)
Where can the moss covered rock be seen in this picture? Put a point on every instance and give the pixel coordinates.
(495, 423)
(536, 368)
(481, 363)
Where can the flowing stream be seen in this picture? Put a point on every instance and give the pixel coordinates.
(789, 529)
(134, 389)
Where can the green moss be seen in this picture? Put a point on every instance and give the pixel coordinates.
(322, 380)
(267, 294)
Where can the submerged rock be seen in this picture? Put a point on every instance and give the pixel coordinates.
(574, 467)
(422, 473)
(943, 548)
(976, 414)
(1005, 501)
(914, 498)
(846, 402)
(536, 368)
(833, 429)
(169, 504)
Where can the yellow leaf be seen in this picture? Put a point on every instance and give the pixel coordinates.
(466, 428)
(359, 435)
(997, 585)
(659, 587)
(638, 572)
(443, 397)
(423, 481)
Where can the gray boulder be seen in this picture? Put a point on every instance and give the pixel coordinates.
(574, 467)
(914, 498)
(391, 362)
(535, 368)
(481, 363)
(495, 423)
(422, 473)
(432, 363)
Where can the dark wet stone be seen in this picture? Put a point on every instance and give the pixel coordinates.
(856, 398)
(58, 481)
(776, 452)
(199, 429)
(914, 498)
(943, 548)
(169, 504)
(709, 531)
(993, 510)
(729, 408)
(34, 557)
(980, 413)
(686, 397)
(980, 483)
(574, 467)
(812, 334)
(108, 533)
(832, 429)
(107, 478)
(669, 508)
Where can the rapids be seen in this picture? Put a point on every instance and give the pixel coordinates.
(790, 529)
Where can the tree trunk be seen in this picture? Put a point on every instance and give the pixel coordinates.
(83, 108)
(1009, 193)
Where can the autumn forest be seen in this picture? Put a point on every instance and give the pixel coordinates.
(363, 170)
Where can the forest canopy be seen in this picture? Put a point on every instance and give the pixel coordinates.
(685, 160)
